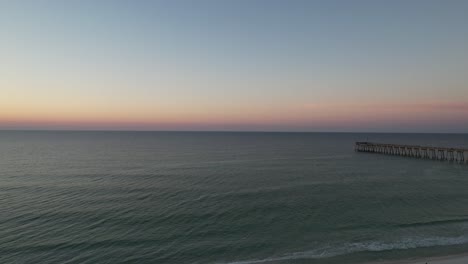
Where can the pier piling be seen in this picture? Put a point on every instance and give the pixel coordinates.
(423, 152)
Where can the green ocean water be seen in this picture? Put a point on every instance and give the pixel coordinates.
(199, 197)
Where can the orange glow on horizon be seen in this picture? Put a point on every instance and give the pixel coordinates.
(339, 114)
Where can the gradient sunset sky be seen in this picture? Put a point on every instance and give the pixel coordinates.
(393, 66)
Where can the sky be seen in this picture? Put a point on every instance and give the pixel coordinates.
(235, 65)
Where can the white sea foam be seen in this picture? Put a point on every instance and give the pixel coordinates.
(369, 246)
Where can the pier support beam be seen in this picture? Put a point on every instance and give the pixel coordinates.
(434, 153)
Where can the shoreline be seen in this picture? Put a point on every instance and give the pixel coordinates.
(450, 259)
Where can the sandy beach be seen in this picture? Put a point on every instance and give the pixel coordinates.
(454, 259)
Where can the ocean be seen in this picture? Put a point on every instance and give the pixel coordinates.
(206, 197)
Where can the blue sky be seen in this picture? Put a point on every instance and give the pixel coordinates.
(235, 65)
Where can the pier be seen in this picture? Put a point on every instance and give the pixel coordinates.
(414, 151)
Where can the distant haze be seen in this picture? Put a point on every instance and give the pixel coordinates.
(393, 66)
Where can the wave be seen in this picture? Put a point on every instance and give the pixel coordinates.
(438, 222)
(409, 225)
(369, 246)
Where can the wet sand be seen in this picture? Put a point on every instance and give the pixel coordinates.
(454, 259)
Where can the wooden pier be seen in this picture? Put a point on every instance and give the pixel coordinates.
(414, 151)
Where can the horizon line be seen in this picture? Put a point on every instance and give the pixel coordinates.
(223, 131)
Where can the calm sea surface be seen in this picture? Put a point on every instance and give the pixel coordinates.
(173, 197)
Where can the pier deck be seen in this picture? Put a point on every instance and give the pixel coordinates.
(423, 152)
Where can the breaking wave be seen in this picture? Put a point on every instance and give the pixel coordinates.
(370, 246)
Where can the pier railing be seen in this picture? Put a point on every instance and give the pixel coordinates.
(423, 152)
